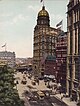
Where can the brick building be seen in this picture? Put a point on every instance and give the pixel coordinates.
(61, 58)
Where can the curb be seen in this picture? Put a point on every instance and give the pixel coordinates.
(60, 100)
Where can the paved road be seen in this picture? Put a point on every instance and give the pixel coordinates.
(49, 101)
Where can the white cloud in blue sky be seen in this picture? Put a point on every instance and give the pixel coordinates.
(18, 19)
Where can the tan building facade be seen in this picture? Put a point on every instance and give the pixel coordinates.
(44, 41)
(73, 51)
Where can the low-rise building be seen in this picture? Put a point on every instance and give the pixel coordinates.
(50, 65)
(8, 57)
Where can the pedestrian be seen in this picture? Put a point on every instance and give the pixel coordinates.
(17, 82)
(60, 91)
(61, 97)
(45, 83)
(38, 81)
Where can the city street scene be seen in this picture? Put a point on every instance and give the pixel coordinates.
(40, 53)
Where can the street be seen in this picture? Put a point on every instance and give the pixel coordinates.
(28, 93)
(47, 101)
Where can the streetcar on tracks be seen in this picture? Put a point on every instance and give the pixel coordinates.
(41, 95)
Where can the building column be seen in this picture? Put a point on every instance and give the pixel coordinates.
(68, 53)
(77, 42)
(73, 62)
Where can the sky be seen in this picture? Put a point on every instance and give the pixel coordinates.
(18, 19)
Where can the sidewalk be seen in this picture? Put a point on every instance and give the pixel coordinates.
(66, 100)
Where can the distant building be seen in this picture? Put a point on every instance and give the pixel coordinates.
(20, 61)
(24, 64)
(44, 41)
(73, 53)
(29, 61)
(61, 58)
(8, 58)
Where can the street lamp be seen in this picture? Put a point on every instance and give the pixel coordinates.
(56, 75)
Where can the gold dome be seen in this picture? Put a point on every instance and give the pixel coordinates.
(43, 12)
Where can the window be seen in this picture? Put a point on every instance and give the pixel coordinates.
(59, 55)
(64, 55)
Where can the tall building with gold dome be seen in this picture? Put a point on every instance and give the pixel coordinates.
(44, 41)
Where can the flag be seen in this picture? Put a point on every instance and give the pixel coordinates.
(4, 45)
(60, 23)
(59, 28)
(41, 0)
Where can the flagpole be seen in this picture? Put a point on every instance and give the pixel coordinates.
(62, 25)
(43, 2)
(5, 47)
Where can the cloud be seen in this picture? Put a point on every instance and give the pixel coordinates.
(34, 8)
(14, 20)
(19, 18)
(57, 17)
(6, 14)
(4, 24)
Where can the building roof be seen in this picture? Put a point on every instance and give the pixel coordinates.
(50, 57)
(43, 12)
(62, 34)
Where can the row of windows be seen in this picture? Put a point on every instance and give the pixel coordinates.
(76, 2)
(62, 55)
(76, 40)
(73, 17)
(44, 38)
(43, 22)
